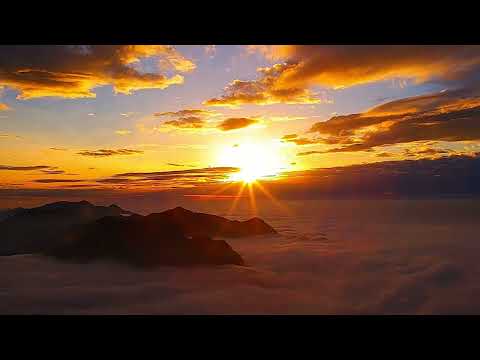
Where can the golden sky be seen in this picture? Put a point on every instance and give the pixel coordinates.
(161, 118)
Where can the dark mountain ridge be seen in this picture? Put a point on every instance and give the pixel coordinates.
(200, 224)
(81, 231)
(32, 230)
(142, 241)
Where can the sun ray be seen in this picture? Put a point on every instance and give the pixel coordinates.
(272, 198)
(239, 195)
(251, 197)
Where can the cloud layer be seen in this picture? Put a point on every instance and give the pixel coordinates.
(330, 264)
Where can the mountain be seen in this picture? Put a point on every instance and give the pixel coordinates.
(32, 230)
(200, 224)
(81, 231)
(143, 241)
(6, 213)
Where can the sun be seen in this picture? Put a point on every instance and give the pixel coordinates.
(255, 161)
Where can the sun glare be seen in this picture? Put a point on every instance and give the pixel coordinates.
(255, 161)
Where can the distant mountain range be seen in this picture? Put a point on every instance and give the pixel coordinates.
(81, 231)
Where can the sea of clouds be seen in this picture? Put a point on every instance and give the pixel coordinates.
(332, 257)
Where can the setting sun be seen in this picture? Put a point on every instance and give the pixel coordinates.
(255, 161)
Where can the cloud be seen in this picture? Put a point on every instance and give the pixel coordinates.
(109, 152)
(185, 119)
(210, 170)
(180, 165)
(305, 153)
(383, 155)
(48, 181)
(445, 116)
(187, 112)
(53, 172)
(123, 132)
(171, 179)
(204, 120)
(236, 123)
(191, 122)
(25, 168)
(3, 107)
(74, 71)
(294, 138)
(340, 66)
(377, 269)
(58, 149)
(301, 67)
(263, 91)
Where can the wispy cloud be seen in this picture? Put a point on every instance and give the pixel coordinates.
(49, 181)
(123, 132)
(109, 152)
(26, 168)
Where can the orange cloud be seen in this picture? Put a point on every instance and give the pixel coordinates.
(263, 91)
(236, 123)
(302, 66)
(343, 66)
(446, 116)
(74, 71)
(294, 138)
(191, 122)
(3, 107)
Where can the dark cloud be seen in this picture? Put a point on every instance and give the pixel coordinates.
(48, 181)
(58, 149)
(109, 152)
(25, 168)
(186, 113)
(209, 170)
(74, 71)
(310, 153)
(236, 123)
(384, 154)
(452, 175)
(172, 179)
(53, 172)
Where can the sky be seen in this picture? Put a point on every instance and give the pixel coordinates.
(164, 118)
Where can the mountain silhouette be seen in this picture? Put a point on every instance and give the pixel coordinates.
(81, 231)
(200, 224)
(143, 241)
(36, 229)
